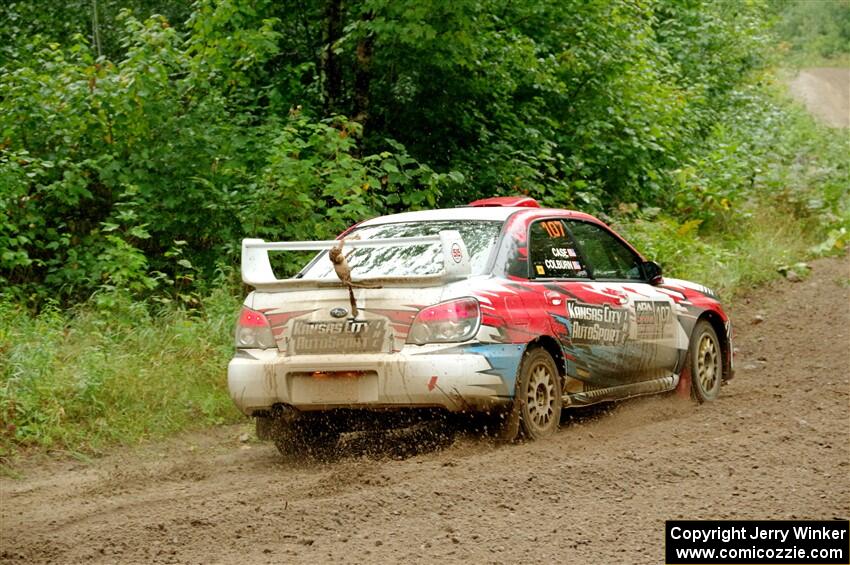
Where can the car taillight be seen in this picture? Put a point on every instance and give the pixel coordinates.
(253, 330)
(455, 320)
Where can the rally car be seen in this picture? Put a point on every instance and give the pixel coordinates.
(500, 307)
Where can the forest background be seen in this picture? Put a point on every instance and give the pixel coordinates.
(141, 140)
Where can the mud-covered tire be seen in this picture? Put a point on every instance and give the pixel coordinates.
(308, 438)
(538, 395)
(705, 359)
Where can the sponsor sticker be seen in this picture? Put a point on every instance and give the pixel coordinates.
(653, 319)
(457, 254)
(599, 324)
(338, 337)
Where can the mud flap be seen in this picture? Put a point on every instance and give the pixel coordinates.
(683, 389)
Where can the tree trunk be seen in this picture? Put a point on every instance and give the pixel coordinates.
(331, 72)
(362, 77)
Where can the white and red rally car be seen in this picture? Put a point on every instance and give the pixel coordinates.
(500, 307)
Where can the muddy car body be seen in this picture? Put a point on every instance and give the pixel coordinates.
(500, 307)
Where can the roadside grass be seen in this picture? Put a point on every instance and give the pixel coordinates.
(803, 60)
(95, 376)
(727, 262)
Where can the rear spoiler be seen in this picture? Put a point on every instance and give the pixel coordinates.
(257, 270)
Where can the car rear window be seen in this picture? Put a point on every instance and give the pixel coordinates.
(417, 260)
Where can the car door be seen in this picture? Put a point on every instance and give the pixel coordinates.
(590, 320)
(649, 344)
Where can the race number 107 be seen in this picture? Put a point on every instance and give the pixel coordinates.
(554, 229)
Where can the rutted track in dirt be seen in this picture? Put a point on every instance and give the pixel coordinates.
(825, 91)
(775, 445)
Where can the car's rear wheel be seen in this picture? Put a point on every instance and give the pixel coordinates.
(536, 410)
(303, 437)
(706, 363)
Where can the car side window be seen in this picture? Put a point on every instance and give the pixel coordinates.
(607, 256)
(552, 252)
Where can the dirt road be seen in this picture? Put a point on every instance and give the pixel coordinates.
(775, 445)
(826, 93)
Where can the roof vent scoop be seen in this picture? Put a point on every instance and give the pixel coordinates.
(506, 201)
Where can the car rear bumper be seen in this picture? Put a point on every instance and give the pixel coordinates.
(454, 377)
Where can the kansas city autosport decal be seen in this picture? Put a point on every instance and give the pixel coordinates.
(596, 323)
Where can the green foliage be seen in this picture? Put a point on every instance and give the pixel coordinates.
(769, 187)
(99, 21)
(813, 30)
(98, 375)
(313, 173)
(93, 177)
(106, 165)
(229, 122)
(563, 102)
(763, 146)
(729, 262)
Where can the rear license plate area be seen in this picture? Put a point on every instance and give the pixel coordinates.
(334, 387)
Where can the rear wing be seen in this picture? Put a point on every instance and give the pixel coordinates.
(257, 270)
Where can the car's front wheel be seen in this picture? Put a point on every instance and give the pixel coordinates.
(706, 363)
